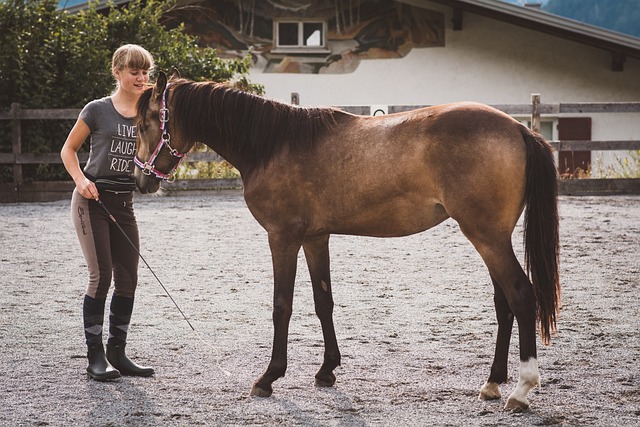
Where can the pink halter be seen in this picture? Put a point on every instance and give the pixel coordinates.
(148, 168)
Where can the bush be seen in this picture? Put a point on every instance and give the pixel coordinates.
(53, 59)
(625, 167)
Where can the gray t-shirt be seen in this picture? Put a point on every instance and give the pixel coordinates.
(113, 146)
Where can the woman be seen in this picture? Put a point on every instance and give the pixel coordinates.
(107, 179)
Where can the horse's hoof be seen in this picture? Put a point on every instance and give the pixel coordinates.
(490, 391)
(325, 380)
(260, 392)
(516, 405)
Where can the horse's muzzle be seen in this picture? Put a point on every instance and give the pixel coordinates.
(146, 183)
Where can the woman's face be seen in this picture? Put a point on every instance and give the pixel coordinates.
(132, 80)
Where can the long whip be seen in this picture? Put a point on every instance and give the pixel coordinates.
(124, 233)
(145, 262)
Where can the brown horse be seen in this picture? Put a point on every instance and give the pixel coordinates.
(312, 172)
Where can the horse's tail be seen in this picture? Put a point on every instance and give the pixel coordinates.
(541, 237)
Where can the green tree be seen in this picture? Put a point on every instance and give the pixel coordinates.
(53, 59)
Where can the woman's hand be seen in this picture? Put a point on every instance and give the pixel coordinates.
(87, 189)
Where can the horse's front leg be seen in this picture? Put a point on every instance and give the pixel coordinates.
(317, 254)
(284, 254)
(498, 375)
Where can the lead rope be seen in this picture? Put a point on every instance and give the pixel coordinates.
(216, 350)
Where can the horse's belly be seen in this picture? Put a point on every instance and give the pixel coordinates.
(385, 220)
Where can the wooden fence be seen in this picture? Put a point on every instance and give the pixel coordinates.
(22, 191)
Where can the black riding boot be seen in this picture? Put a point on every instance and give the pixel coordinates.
(119, 318)
(99, 368)
(116, 356)
(93, 315)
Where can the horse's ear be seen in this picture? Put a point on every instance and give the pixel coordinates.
(175, 74)
(161, 84)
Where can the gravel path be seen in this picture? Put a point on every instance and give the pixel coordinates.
(414, 319)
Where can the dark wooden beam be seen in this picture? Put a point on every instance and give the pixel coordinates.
(617, 61)
(457, 19)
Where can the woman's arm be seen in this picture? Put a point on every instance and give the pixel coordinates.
(69, 155)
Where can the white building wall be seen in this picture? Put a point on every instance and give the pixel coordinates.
(488, 61)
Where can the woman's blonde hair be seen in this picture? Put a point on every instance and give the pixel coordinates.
(133, 57)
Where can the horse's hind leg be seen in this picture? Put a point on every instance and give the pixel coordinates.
(504, 268)
(317, 254)
(519, 294)
(498, 375)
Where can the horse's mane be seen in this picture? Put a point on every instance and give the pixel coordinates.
(247, 125)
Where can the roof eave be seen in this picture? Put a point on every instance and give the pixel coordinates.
(620, 45)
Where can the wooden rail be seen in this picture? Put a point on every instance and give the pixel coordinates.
(18, 190)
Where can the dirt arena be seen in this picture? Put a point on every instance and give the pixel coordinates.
(414, 318)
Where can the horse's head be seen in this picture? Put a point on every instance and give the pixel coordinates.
(157, 154)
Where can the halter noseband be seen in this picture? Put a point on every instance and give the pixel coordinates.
(148, 168)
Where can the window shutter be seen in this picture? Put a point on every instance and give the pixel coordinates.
(572, 163)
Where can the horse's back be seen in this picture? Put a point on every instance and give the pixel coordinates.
(457, 150)
(402, 173)
(478, 158)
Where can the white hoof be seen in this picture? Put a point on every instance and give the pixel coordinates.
(516, 405)
(529, 378)
(490, 391)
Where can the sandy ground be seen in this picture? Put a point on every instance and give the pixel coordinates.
(414, 319)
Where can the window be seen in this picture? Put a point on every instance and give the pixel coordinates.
(300, 36)
(546, 128)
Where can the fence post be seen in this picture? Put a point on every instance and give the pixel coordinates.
(535, 112)
(16, 137)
